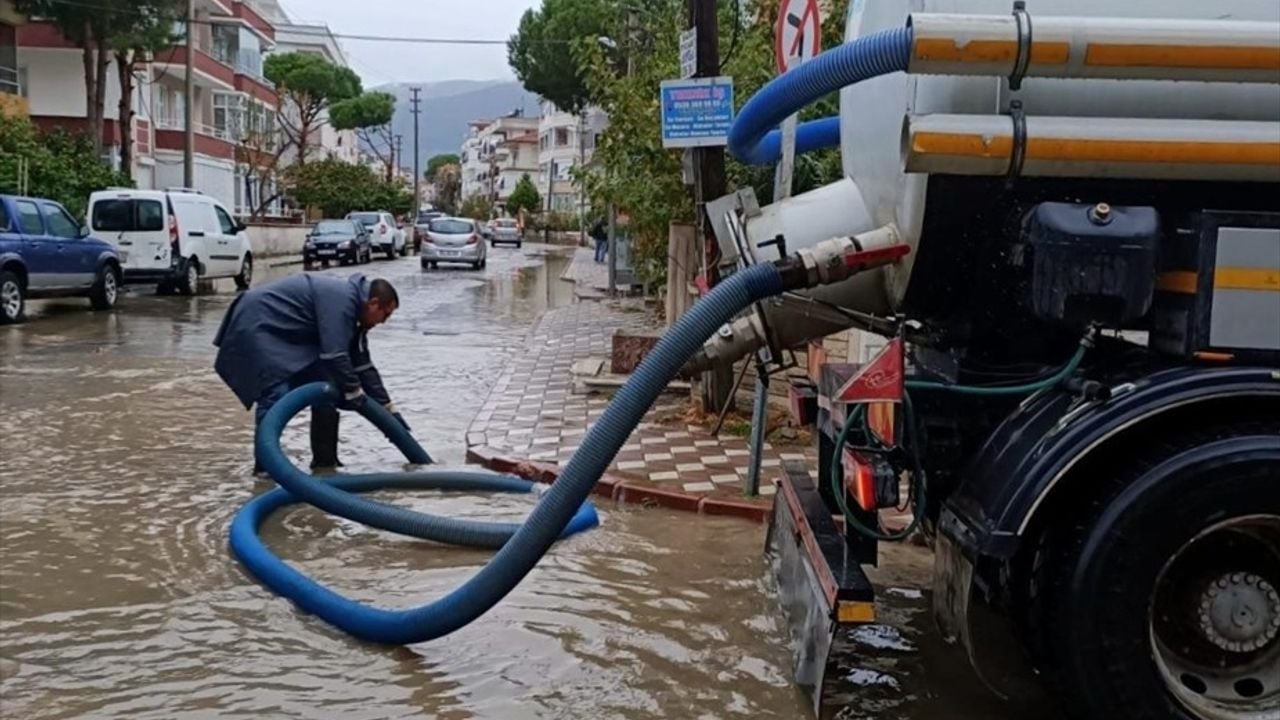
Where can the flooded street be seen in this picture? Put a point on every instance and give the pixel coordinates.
(125, 458)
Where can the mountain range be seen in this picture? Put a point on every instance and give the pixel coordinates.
(448, 106)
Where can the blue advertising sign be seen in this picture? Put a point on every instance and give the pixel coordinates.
(697, 112)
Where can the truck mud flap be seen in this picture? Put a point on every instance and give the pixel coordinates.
(821, 586)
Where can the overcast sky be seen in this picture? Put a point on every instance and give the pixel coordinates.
(383, 62)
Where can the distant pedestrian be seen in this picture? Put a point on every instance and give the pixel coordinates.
(600, 234)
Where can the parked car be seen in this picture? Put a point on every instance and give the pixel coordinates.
(173, 238)
(45, 253)
(420, 226)
(386, 234)
(453, 240)
(341, 241)
(505, 230)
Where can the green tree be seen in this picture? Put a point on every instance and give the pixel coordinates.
(477, 207)
(370, 116)
(544, 51)
(338, 188)
(140, 29)
(524, 197)
(448, 181)
(436, 162)
(308, 85)
(60, 165)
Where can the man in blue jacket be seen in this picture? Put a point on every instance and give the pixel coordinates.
(302, 329)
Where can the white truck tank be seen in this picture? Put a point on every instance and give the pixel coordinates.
(1219, 100)
(873, 113)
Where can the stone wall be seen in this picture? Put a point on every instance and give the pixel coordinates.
(275, 240)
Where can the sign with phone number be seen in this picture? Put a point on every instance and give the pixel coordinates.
(696, 112)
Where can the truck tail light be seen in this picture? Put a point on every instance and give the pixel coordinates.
(871, 481)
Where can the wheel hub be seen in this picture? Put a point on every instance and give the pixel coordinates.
(1240, 612)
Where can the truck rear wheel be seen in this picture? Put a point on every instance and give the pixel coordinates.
(1162, 596)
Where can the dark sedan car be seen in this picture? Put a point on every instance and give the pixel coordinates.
(341, 241)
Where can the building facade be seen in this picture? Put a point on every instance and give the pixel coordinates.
(565, 141)
(226, 48)
(495, 155)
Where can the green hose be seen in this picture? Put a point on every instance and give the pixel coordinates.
(1025, 389)
(918, 492)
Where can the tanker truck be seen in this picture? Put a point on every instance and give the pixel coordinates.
(1064, 218)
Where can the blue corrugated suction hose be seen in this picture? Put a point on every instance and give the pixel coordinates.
(552, 517)
(753, 140)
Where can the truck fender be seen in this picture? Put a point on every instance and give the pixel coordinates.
(1039, 455)
(1037, 451)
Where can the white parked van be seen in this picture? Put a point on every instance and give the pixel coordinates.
(173, 237)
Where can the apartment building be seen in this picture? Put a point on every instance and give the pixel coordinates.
(565, 140)
(231, 97)
(496, 154)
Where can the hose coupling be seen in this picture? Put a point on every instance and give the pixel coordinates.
(832, 261)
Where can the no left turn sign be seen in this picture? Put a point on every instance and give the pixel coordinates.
(798, 35)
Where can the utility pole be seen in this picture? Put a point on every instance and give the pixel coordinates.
(397, 156)
(417, 158)
(709, 184)
(189, 148)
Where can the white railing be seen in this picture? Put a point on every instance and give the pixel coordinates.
(200, 128)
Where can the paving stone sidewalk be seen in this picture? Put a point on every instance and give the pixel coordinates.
(535, 413)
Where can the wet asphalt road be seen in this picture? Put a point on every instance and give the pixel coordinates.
(125, 458)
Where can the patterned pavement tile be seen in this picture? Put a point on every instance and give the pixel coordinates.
(534, 410)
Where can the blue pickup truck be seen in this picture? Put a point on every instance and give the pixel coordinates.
(46, 253)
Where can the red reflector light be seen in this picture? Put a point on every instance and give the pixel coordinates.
(859, 478)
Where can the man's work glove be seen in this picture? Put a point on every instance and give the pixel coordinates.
(352, 400)
(395, 413)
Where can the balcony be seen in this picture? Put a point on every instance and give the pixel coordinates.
(209, 71)
(246, 15)
(256, 87)
(210, 141)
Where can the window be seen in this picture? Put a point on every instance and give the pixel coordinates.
(562, 137)
(59, 222)
(451, 227)
(4, 218)
(128, 216)
(29, 219)
(229, 226)
(170, 108)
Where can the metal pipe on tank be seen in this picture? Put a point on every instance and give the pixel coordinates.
(1212, 150)
(1096, 47)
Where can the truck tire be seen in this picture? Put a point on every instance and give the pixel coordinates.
(1161, 593)
(189, 283)
(245, 278)
(13, 298)
(106, 289)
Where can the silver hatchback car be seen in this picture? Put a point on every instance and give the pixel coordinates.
(453, 240)
(505, 230)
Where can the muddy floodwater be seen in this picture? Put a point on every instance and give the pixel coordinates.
(123, 459)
